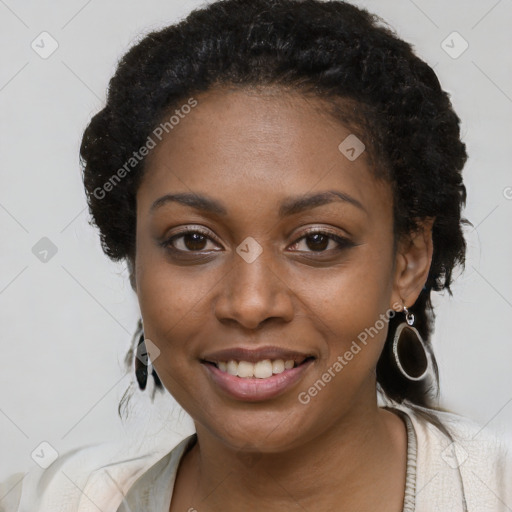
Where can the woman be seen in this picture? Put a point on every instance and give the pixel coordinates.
(284, 180)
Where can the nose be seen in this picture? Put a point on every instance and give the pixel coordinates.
(252, 293)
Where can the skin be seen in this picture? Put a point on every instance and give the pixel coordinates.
(251, 151)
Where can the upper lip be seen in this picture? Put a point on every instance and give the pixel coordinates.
(255, 355)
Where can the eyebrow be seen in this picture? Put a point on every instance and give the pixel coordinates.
(290, 206)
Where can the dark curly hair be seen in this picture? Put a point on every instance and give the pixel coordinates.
(329, 50)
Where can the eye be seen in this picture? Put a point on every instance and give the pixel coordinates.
(196, 240)
(189, 240)
(318, 240)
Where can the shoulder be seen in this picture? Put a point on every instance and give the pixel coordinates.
(155, 487)
(100, 473)
(31, 489)
(10, 492)
(30, 486)
(461, 439)
(462, 460)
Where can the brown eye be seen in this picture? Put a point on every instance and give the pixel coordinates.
(192, 240)
(318, 241)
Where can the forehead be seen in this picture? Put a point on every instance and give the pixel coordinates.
(260, 145)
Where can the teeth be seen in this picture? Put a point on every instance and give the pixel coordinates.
(232, 367)
(245, 369)
(278, 366)
(263, 369)
(260, 370)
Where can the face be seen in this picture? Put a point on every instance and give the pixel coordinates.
(260, 242)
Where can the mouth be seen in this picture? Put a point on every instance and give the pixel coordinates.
(262, 369)
(256, 375)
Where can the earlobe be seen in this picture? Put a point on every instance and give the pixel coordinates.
(412, 263)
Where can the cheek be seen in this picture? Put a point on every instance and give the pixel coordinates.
(350, 310)
(168, 294)
(349, 306)
(170, 301)
(167, 303)
(174, 306)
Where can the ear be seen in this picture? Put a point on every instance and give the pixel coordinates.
(412, 264)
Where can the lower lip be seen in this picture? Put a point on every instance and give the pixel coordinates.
(253, 389)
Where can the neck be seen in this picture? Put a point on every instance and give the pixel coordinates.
(357, 463)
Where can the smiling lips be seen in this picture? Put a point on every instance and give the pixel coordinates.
(255, 375)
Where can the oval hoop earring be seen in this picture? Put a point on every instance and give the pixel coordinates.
(409, 350)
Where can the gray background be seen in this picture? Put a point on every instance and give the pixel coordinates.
(67, 322)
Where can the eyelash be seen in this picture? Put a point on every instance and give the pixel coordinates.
(343, 243)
